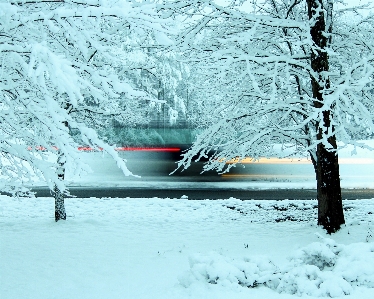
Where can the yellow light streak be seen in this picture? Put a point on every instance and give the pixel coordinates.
(269, 176)
(275, 160)
(272, 160)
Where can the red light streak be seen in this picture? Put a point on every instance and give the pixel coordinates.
(149, 149)
(119, 149)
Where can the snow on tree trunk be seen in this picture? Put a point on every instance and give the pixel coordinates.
(330, 208)
(59, 195)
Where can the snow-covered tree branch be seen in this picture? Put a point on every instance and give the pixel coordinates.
(61, 61)
(295, 73)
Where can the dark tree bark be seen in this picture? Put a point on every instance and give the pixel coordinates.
(330, 207)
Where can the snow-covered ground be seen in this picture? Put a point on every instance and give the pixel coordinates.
(178, 248)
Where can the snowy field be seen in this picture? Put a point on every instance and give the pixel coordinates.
(179, 248)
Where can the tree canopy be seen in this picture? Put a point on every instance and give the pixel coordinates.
(253, 74)
(295, 73)
(288, 72)
(62, 67)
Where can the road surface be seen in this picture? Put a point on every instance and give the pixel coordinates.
(205, 193)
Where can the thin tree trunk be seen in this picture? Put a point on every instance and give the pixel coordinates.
(330, 208)
(59, 196)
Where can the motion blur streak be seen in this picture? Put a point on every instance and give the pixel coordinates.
(275, 160)
(149, 149)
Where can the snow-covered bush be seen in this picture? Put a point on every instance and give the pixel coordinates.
(320, 269)
(318, 254)
(356, 264)
(310, 280)
(217, 269)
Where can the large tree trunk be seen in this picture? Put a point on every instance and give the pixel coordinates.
(330, 207)
(59, 196)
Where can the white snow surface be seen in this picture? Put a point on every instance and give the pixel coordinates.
(178, 248)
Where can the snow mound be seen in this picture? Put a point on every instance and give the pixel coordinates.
(217, 269)
(320, 269)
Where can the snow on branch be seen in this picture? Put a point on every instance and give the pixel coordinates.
(62, 71)
(252, 71)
